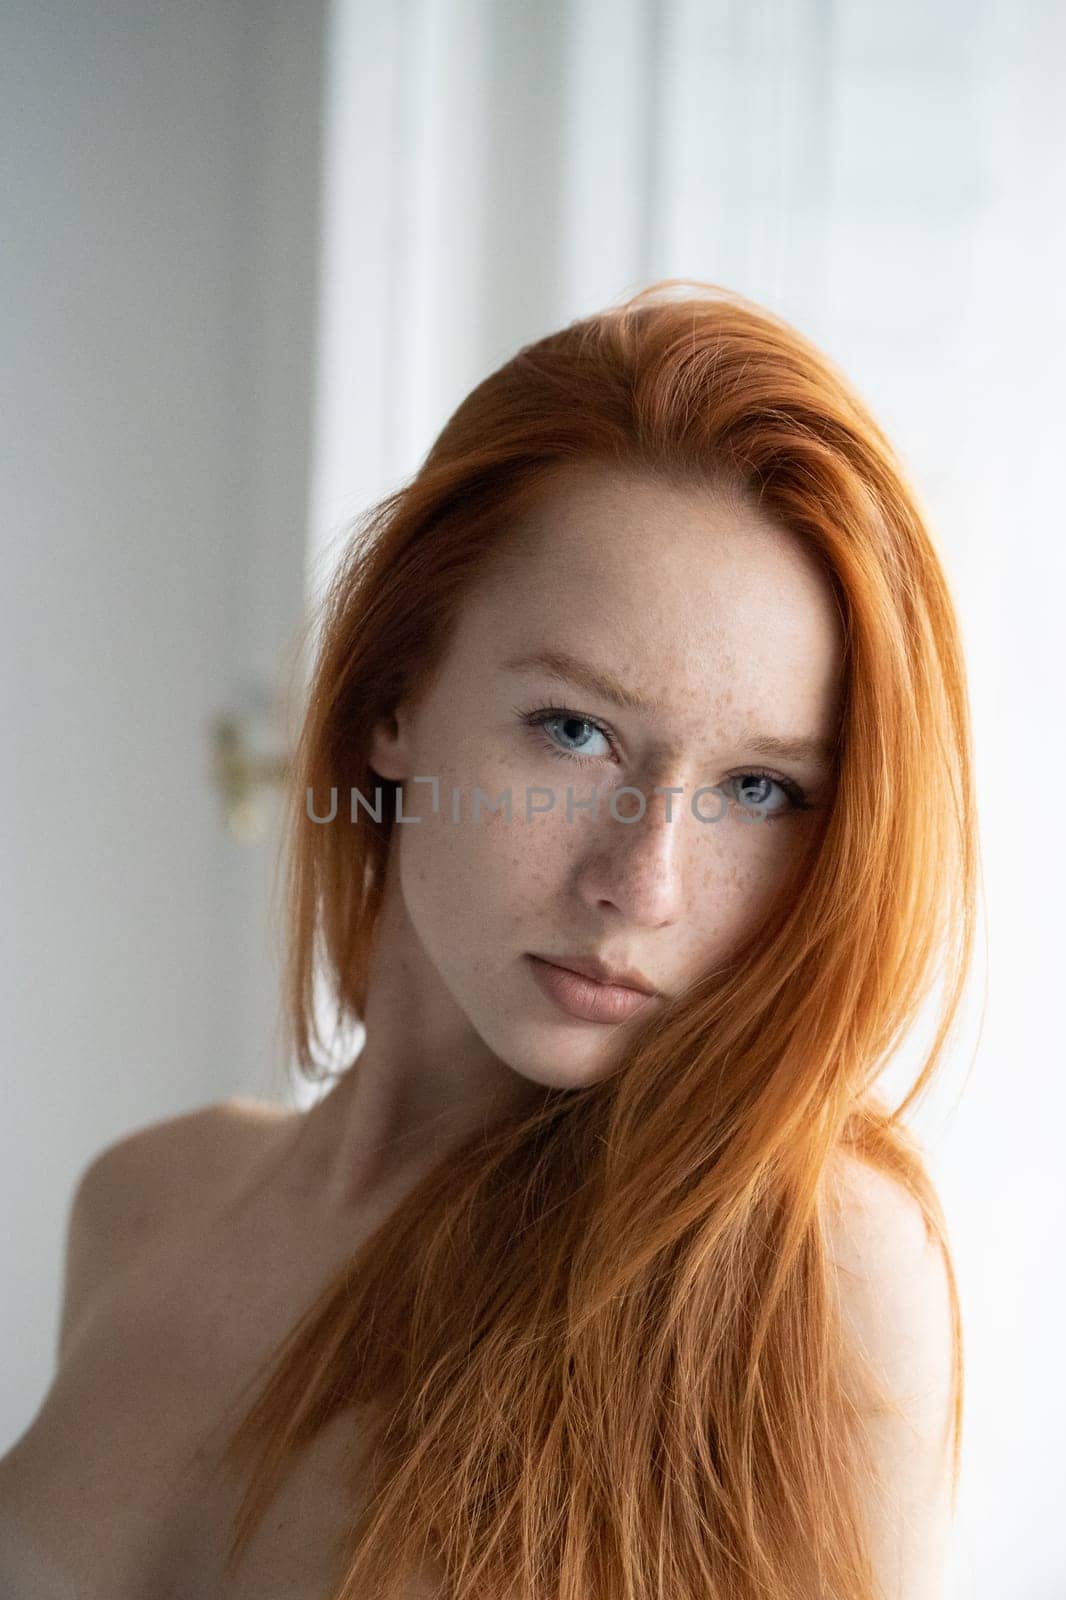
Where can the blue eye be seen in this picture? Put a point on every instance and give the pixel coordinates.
(571, 727)
(758, 782)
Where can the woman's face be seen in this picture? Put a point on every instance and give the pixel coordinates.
(720, 633)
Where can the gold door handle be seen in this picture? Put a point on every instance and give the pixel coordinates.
(246, 766)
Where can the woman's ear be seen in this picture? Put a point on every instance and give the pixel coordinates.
(389, 754)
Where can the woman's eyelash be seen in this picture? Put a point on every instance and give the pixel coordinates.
(543, 714)
(797, 795)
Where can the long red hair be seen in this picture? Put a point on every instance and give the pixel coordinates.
(598, 1350)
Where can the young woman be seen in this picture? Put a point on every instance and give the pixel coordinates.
(632, 816)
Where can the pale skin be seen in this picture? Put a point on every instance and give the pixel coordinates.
(195, 1243)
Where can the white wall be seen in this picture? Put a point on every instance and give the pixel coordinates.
(893, 179)
(159, 225)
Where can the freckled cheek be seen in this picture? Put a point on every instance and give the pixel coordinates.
(763, 850)
(734, 873)
(481, 875)
(525, 857)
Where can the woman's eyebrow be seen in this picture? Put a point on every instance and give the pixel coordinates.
(820, 751)
(567, 668)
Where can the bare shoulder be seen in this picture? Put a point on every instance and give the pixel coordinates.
(132, 1189)
(892, 1281)
(130, 1182)
(896, 1302)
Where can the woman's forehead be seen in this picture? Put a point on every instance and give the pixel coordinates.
(676, 593)
(686, 549)
(713, 635)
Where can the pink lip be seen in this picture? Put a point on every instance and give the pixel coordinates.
(585, 997)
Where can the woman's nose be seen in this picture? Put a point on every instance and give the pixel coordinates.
(637, 863)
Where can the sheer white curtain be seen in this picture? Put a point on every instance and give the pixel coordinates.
(893, 179)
